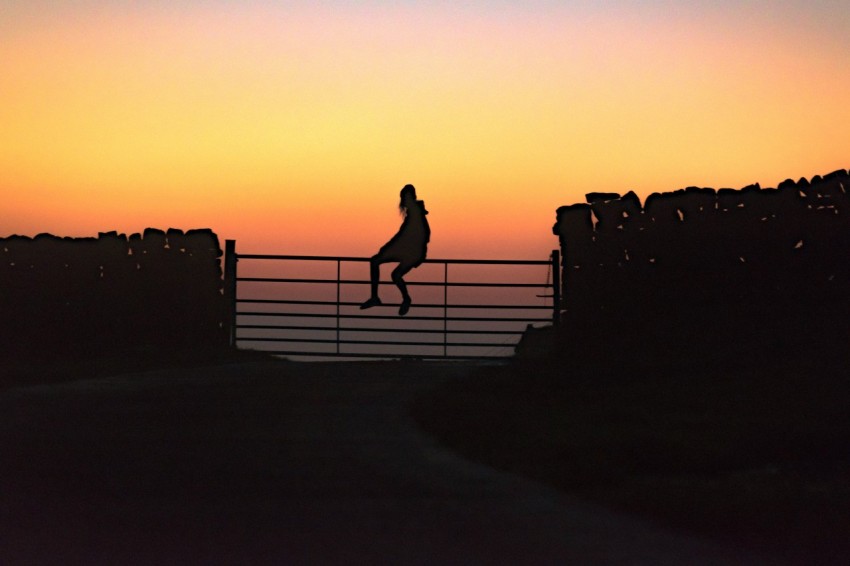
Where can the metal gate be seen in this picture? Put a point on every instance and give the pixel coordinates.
(295, 305)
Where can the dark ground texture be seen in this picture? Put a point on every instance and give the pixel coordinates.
(741, 435)
(268, 462)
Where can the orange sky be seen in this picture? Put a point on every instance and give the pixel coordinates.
(291, 129)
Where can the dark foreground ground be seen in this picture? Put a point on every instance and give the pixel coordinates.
(263, 462)
(745, 442)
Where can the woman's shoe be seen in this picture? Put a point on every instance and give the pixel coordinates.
(405, 306)
(372, 302)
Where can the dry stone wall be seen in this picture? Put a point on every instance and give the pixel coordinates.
(702, 255)
(157, 291)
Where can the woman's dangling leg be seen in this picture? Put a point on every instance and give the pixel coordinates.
(397, 277)
(374, 276)
(374, 280)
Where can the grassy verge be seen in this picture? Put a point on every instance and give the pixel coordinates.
(751, 451)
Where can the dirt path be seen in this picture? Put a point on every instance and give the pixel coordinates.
(268, 463)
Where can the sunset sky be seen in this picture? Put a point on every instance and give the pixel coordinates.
(291, 126)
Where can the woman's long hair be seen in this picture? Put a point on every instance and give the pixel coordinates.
(407, 189)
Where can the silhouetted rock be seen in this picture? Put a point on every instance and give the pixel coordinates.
(596, 197)
(837, 174)
(787, 183)
(631, 203)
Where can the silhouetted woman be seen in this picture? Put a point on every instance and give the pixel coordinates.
(408, 247)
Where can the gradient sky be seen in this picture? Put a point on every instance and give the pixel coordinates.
(291, 126)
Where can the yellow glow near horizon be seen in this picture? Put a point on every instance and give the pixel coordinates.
(294, 129)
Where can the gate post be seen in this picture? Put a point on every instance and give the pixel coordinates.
(230, 289)
(445, 309)
(556, 287)
(338, 295)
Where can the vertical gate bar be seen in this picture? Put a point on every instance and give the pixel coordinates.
(230, 289)
(556, 287)
(445, 309)
(338, 272)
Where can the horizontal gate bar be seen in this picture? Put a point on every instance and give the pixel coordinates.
(380, 342)
(386, 356)
(367, 282)
(366, 259)
(420, 305)
(378, 317)
(350, 329)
